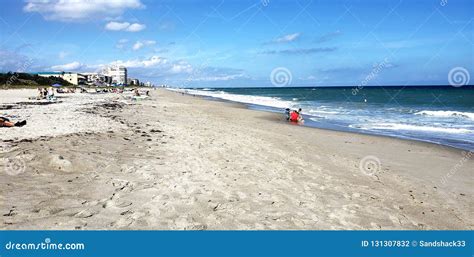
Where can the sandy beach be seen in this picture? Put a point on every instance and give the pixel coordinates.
(173, 161)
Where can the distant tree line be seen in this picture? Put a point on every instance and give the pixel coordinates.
(26, 79)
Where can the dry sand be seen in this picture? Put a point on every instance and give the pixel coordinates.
(182, 162)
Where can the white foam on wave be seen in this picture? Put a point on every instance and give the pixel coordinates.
(315, 111)
(248, 99)
(447, 114)
(408, 127)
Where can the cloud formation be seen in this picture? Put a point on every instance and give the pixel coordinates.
(121, 43)
(14, 61)
(300, 51)
(140, 44)
(124, 26)
(73, 66)
(216, 74)
(286, 38)
(328, 36)
(74, 10)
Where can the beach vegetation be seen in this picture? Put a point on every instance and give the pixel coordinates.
(18, 79)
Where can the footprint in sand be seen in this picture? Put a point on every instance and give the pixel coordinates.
(87, 213)
(116, 203)
(131, 218)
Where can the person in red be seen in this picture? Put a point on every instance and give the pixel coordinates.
(294, 115)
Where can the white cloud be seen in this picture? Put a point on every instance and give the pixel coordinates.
(136, 27)
(160, 67)
(181, 67)
(156, 64)
(288, 38)
(140, 44)
(79, 10)
(68, 66)
(121, 43)
(124, 26)
(153, 61)
(113, 25)
(137, 45)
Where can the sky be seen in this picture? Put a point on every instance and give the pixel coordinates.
(230, 43)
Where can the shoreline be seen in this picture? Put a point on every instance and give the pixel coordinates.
(268, 109)
(183, 162)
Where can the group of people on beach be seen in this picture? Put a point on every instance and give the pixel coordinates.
(69, 90)
(294, 115)
(45, 93)
(137, 93)
(49, 94)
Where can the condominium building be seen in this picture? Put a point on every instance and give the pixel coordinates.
(117, 73)
(97, 79)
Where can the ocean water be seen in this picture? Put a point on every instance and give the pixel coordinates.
(442, 115)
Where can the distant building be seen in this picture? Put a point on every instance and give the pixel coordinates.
(97, 79)
(134, 82)
(117, 73)
(71, 77)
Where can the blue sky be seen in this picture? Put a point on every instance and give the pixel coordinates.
(240, 43)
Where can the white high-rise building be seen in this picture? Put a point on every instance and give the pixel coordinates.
(118, 74)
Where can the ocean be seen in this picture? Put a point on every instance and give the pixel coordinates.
(437, 114)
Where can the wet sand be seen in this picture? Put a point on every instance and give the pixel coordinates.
(180, 162)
